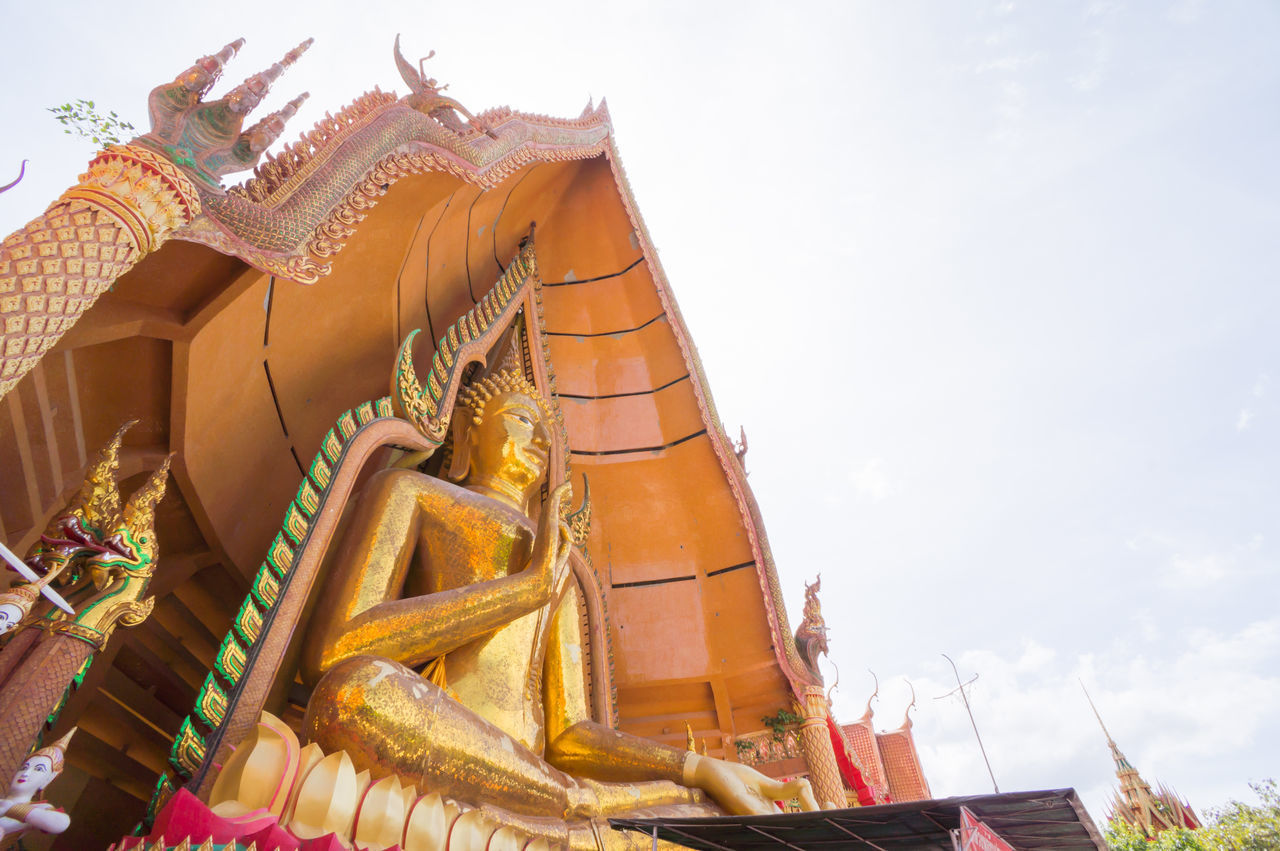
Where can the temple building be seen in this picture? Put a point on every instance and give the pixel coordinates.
(888, 759)
(183, 606)
(1151, 812)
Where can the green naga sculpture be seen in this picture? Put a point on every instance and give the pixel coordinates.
(102, 555)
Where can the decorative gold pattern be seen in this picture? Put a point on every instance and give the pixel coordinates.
(470, 574)
(94, 541)
(132, 198)
(130, 201)
(764, 746)
(815, 742)
(580, 521)
(104, 556)
(811, 635)
(142, 189)
(464, 342)
(302, 205)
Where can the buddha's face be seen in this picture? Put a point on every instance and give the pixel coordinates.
(35, 774)
(510, 444)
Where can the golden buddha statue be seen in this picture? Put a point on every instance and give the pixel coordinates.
(460, 579)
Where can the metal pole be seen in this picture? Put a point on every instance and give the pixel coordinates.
(960, 687)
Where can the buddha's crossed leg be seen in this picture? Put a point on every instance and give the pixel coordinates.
(392, 721)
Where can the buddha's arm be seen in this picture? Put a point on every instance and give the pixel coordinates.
(589, 749)
(360, 613)
(418, 629)
(581, 747)
(576, 744)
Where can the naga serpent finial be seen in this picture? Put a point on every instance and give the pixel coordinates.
(811, 635)
(206, 138)
(96, 541)
(906, 716)
(139, 516)
(740, 446)
(98, 500)
(21, 171)
(429, 405)
(874, 694)
(580, 520)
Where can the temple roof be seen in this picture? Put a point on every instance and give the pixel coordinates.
(1135, 802)
(241, 371)
(889, 759)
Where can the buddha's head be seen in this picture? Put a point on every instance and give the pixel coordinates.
(506, 436)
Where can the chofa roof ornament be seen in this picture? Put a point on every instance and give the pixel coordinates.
(425, 96)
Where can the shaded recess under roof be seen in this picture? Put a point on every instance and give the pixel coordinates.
(1027, 820)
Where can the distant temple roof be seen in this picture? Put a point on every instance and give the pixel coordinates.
(889, 759)
(1135, 802)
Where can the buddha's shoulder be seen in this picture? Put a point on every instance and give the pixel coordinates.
(455, 501)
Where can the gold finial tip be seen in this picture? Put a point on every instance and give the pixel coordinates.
(139, 511)
(119, 435)
(293, 55)
(57, 751)
(1096, 714)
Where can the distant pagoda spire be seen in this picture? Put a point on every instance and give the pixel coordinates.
(1148, 811)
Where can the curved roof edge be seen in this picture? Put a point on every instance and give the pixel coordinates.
(302, 204)
(775, 606)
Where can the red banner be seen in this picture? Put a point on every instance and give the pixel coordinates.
(976, 836)
(848, 771)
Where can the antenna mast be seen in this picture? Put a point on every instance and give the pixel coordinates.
(960, 687)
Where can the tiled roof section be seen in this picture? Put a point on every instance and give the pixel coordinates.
(862, 738)
(902, 764)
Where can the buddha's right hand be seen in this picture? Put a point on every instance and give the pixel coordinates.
(551, 546)
(741, 789)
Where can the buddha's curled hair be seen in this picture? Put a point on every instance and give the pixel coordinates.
(478, 394)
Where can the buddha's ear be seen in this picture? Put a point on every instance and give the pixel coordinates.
(460, 463)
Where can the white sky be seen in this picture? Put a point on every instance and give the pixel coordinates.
(992, 286)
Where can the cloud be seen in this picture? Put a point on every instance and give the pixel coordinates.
(1190, 711)
(1007, 64)
(1103, 8)
(1247, 414)
(1098, 53)
(1180, 564)
(871, 482)
(1097, 60)
(1198, 571)
(1186, 11)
